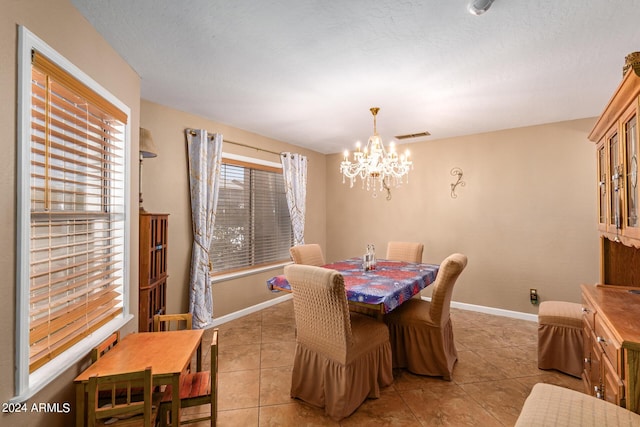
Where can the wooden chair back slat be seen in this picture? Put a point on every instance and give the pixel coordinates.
(172, 322)
(105, 346)
(121, 406)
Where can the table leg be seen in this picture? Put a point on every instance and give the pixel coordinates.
(80, 405)
(175, 400)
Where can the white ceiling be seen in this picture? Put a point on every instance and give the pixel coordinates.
(307, 71)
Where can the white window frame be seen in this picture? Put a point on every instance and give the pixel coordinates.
(249, 271)
(27, 384)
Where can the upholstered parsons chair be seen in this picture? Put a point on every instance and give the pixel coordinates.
(404, 251)
(310, 254)
(341, 358)
(420, 331)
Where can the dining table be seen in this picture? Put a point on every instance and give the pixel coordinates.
(168, 353)
(379, 290)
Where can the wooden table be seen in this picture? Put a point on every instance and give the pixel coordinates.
(380, 290)
(168, 353)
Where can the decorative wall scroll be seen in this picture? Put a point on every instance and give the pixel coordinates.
(456, 172)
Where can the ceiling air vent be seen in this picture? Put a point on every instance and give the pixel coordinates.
(413, 135)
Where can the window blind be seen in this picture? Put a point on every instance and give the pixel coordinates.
(77, 211)
(252, 226)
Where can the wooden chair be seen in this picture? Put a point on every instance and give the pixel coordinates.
(341, 358)
(128, 410)
(100, 351)
(199, 388)
(172, 322)
(421, 333)
(310, 254)
(175, 322)
(405, 251)
(105, 346)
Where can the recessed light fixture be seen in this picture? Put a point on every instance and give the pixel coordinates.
(478, 7)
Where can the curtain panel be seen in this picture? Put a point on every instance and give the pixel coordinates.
(205, 155)
(294, 170)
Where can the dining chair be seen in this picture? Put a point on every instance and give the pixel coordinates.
(421, 332)
(129, 409)
(99, 351)
(105, 346)
(310, 254)
(174, 322)
(171, 322)
(405, 251)
(199, 388)
(341, 358)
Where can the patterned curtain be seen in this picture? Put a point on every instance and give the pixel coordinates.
(294, 169)
(205, 154)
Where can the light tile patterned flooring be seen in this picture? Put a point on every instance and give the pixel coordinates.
(496, 369)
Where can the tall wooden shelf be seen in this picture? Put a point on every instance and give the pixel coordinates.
(611, 310)
(152, 268)
(616, 137)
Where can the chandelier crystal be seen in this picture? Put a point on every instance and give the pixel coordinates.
(378, 168)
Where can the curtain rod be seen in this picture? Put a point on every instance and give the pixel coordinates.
(193, 132)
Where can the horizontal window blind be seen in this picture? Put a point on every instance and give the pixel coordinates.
(77, 211)
(252, 226)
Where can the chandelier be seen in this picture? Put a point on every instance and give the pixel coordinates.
(378, 168)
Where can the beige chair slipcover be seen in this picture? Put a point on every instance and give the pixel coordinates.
(421, 333)
(310, 254)
(341, 357)
(405, 251)
(560, 340)
(554, 406)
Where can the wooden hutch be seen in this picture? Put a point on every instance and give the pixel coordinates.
(152, 268)
(611, 310)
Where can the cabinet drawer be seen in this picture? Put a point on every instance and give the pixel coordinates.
(612, 384)
(609, 344)
(588, 312)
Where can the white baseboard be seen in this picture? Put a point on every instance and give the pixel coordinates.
(491, 310)
(245, 311)
(461, 305)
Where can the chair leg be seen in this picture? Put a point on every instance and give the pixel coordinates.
(163, 413)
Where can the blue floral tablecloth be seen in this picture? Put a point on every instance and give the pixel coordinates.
(390, 284)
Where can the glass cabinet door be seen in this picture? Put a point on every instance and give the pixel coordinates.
(615, 190)
(631, 167)
(602, 187)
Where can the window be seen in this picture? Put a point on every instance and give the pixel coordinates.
(252, 227)
(71, 231)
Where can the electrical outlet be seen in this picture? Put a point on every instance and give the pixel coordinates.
(533, 296)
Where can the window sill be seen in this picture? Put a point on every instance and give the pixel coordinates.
(49, 372)
(239, 274)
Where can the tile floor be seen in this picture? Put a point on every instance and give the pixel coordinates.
(497, 366)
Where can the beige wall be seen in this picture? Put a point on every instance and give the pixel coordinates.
(62, 27)
(525, 217)
(165, 187)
